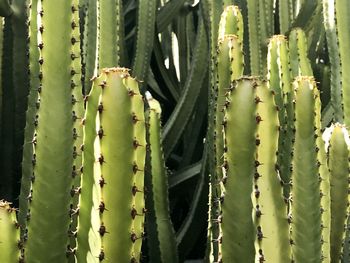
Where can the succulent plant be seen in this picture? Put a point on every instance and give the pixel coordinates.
(227, 162)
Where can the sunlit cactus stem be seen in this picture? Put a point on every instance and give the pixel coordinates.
(338, 143)
(119, 152)
(10, 243)
(306, 212)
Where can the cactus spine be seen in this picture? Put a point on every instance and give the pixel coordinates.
(161, 236)
(118, 216)
(9, 238)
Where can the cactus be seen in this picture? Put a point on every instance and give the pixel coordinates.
(306, 210)
(83, 195)
(15, 88)
(10, 243)
(244, 197)
(279, 81)
(145, 34)
(335, 19)
(84, 250)
(118, 216)
(299, 61)
(55, 148)
(231, 23)
(238, 233)
(110, 13)
(27, 167)
(161, 241)
(269, 213)
(337, 143)
(260, 27)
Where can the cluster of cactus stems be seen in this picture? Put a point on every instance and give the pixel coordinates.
(272, 197)
(94, 185)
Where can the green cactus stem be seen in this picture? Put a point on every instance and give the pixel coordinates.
(16, 90)
(161, 235)
(332, 27)
(85, 251)
(270, 210)
(144, 39)
(337, 143)
(260, 26)
(27, 167)
(325, 186)
(306, 210)
(279, 81)
(286, 14)
(77, 115)
(111, 46)
(89, 45)
(342, 20)
(10, 244)
(231, 23)
(56, 134)
(229, 67)
(120, 150)
(238, 232)
(300, 64)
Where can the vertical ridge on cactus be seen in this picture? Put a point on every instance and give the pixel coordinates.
(33, 103)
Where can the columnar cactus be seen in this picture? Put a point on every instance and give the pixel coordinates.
(250, 181)
(161, 236)
(84, 248)
(110, 38)
(337, 143)
(279, 81)
(299, 62)
(336, 15)
(118, 216)
(56, 139)
(27, 167)
(260, 24)
(270, 210)
(306, 208)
